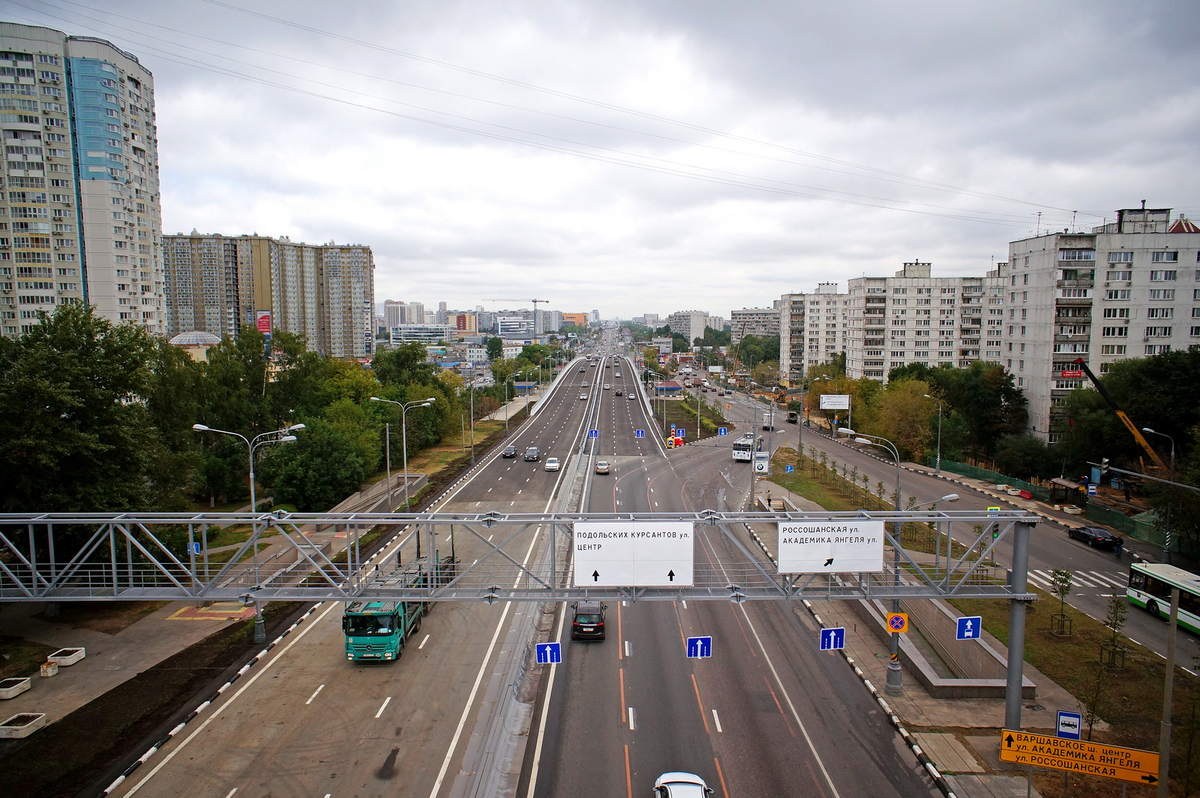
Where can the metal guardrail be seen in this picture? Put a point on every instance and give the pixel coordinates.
(135, 556)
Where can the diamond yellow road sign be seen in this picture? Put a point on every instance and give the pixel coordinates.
(1079, 756)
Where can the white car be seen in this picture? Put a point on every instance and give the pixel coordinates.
(678, 784)
(583, 396)
(607, 386)
(551, 463)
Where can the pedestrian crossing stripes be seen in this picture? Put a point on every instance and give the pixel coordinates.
(1092, 579)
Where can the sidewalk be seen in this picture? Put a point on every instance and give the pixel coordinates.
(111, 658)
(965, 746)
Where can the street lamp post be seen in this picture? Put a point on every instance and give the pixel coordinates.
(404, 408)
(938, 469)
(260, 629)
(937, 542)
(895, 675)
(1168, 538)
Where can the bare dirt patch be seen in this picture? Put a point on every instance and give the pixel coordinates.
(106, 617)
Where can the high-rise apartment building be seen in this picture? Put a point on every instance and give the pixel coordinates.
(914, 317)
(325, 292)
(80, 217)
(688, 323)
(813, 329)
(1127, 289)
(760, 322)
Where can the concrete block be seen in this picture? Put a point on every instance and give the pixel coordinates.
(67, 656)
(22, 725)
(11, 688)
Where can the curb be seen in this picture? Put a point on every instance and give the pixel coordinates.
(930, 768)
(205, 704)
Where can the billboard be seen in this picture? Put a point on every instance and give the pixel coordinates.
(831, 401)
(262, 320)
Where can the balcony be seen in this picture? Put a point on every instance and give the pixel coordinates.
(1075, 284)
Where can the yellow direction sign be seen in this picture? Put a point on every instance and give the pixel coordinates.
(1079, 756)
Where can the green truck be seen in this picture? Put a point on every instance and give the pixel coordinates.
(378, 630)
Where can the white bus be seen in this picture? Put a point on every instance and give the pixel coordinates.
(744, 447)
(1150, 586)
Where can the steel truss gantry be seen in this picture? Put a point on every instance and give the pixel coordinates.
(483, 557)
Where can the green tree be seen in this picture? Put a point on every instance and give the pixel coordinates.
(76, 434)
(404, 365)
(1024, 456)
(985, 397)
(315, 472)
(495, 348)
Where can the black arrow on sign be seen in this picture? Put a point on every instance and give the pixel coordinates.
(1149, 779)
(829, 562)
(1008, 741)
(595, 576)
(671, 575)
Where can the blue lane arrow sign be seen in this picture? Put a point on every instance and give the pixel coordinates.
(639, 433)
(699, 647)
(681, 433)
(722, 430)
(969, 627)
(833, 638)
(593, 433)
(549, 653)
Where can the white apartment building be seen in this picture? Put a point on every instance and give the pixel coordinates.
(688, 323)
(326, 292)
(814, 328)
(1128, 289)
(80, 213)
(761, 322)
(914, 317)
(421, 333)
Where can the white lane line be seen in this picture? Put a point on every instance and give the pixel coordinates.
(628, 649)
(386, 701)
(423, 642)
(231, 792)
(717, 721)
(314, 695)
(632, 723)
(332, 605)
(490, 537)
(684, 603)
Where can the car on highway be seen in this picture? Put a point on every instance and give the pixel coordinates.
(532, 454)
(1095, 536)
(551, 463)
(677, 784)
(602, 467)
(619, 392)
(607, 386)
(583, 396)
(632, 395)
(509, 451)
(587, 622)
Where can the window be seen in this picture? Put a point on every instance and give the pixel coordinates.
(1162, 276)
(1116, 313)
(1194, 332)
(1167, 294)
(1120, 257)
(1158, 349)
(1115, 332)
(1117, 295)
(1158, 332)
(1112, 349)
(1115, 275)
(1164, 257)
(1160, 313)
(1077, 254)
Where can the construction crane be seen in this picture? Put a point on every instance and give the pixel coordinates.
(1137, 434)
(534, 301)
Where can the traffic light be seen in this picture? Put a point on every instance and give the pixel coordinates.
(1103, 468)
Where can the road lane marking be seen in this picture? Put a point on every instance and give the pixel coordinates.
(621, 674)
(632, 722)
(332, 605)
(314, 695)
(717, 721)
(386, 701)
(231, 792)
(684, 603)
(628, 648)
(699, 703)
(720, 776)
(628, 776)
(423, 642)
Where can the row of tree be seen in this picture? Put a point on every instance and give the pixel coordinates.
(99, 417)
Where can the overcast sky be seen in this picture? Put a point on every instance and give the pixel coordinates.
(636, 156)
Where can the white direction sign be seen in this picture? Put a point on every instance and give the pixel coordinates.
(830, 547)
(633, 553)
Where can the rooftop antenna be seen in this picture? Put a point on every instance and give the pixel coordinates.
(1073, 219)
(1039, 224)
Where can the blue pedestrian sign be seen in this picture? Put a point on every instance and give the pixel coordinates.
(789, 469)
(833, 639)
(195, 547)
(1069, 724)
(969, 628)
(722, 430)
(593, 433)
(699, 647)
(639, 433)
(549, 653)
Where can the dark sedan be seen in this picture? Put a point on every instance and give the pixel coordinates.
(1095, 536)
